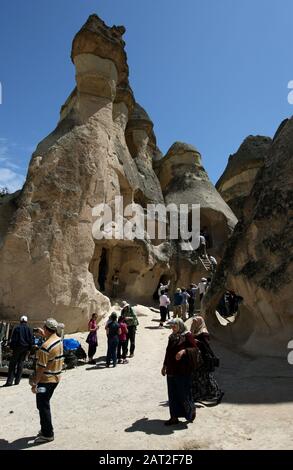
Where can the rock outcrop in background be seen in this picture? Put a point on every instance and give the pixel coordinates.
(258, 262)
(103, 146)
(241, 171)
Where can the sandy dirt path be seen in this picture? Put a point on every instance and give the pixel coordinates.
(125, 408)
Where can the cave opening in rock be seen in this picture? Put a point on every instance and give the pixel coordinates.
(103, 269)
(228, 307)
(164, 280)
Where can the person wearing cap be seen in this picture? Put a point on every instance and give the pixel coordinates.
(202, 287)
(48, 372)
(132, 324)
(21, 343)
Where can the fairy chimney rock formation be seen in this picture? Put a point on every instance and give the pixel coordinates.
(258, 263)
(240, 174)
(104, 146)
(184, 181)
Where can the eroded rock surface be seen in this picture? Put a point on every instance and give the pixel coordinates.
(258, 262)
(241, 171)
(103, 146)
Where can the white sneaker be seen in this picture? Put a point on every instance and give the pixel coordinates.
(40, 439)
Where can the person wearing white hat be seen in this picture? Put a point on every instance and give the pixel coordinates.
(132, 323)
(21, 343)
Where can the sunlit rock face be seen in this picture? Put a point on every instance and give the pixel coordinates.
(258, 262)
(103, 147)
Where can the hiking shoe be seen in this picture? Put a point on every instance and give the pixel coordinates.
(131, 355)
(40, 439)
(171, 422)
(192, 417)
(120, 361)
(125, 361)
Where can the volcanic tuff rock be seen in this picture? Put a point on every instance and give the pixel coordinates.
(239, 176)
(258, 262)
(103, 146)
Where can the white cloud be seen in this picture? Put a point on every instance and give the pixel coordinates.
(10, 179)
(10, 172)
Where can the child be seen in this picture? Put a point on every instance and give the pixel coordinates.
(122, 341)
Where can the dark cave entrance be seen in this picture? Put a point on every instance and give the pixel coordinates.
(164, 280)
(103, 269)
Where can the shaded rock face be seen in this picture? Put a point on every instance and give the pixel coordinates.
(241, 171)
(103, 146)
(258, 262)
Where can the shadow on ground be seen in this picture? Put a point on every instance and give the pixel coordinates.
(155, 426)
(19, 444)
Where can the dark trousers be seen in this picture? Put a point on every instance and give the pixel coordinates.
(43, 405)
(131, 338)
(191, 308)
(122, 346)
(16, 365)
(92, 350)
(112, 350)
(164, 313)
(181, 403)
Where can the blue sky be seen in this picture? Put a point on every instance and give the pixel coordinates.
(208, 72)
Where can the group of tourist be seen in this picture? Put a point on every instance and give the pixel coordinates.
(189, 362)
(183, 300)
(121, 332)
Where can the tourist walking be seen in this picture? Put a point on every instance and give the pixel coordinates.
(204, 384)
(113, 331)
(21, 343)
(214, 263)
(47, 377)
(132, 324)
(177, 303)
(164, 303)
(92, 339)
(202, 287)
(184, 308)
(192, 297)
(178, 369)
(122, 345)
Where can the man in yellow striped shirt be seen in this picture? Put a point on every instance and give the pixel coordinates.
(48, 372)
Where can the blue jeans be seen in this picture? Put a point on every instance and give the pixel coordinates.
(112, 350)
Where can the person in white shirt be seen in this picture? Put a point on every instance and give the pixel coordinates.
(163, 287)
(213, 263)
(202, 246)
(202, 287)
(164, 303)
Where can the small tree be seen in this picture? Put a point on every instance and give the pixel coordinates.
(3, 191)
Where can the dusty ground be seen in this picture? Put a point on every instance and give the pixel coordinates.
(125, 407)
